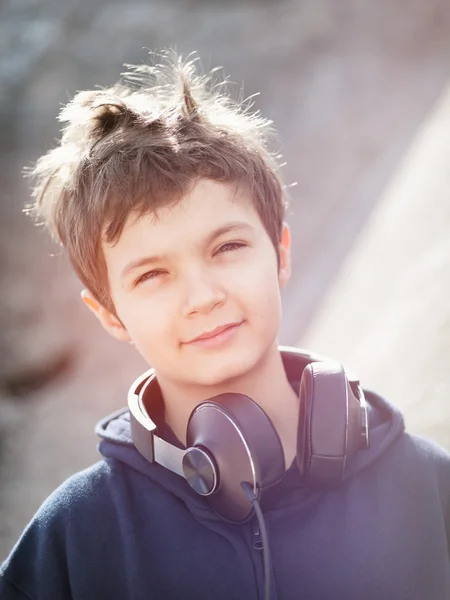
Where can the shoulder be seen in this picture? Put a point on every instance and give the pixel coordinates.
(427, 451)
(45, 548)
(79, 490)
(424, 461)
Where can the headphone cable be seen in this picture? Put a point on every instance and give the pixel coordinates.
(265, 540)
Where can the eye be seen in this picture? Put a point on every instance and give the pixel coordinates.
(230, 247)
(149, 275)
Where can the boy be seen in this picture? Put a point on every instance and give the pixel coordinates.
(169, 205)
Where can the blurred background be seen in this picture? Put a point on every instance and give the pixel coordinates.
(358, 91)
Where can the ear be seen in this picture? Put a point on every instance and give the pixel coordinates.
(109, 321)
(284, 272)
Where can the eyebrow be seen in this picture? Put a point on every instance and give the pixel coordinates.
(149, 260)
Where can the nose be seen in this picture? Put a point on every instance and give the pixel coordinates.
(202, 292)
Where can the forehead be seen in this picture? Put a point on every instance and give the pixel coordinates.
(189, 222)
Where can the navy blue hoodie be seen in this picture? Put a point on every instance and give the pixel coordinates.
(128, 529)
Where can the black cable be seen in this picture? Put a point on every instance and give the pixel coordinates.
(265, 540)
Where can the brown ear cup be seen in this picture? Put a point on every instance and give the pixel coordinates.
(329, 429)
(244, 446)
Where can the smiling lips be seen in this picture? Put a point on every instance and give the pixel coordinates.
(217, 335)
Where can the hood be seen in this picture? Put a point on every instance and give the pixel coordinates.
(385, 425)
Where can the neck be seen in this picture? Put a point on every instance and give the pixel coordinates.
(267, 384)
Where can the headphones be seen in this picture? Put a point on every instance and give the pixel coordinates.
(231, 440)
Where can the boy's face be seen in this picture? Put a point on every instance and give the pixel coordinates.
(204, 263)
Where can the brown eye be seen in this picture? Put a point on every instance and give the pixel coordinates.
(231, 246)
(148, 275)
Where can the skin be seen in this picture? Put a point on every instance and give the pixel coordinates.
(196, 285)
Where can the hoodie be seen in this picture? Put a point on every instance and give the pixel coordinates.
(129, 529)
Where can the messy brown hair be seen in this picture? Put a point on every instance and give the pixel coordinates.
(138, 146)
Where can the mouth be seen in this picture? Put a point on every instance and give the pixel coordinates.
(214, 333)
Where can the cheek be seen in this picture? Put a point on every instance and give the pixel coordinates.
(150, 324)
(260, 292)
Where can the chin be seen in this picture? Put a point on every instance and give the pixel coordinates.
(223, 370)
